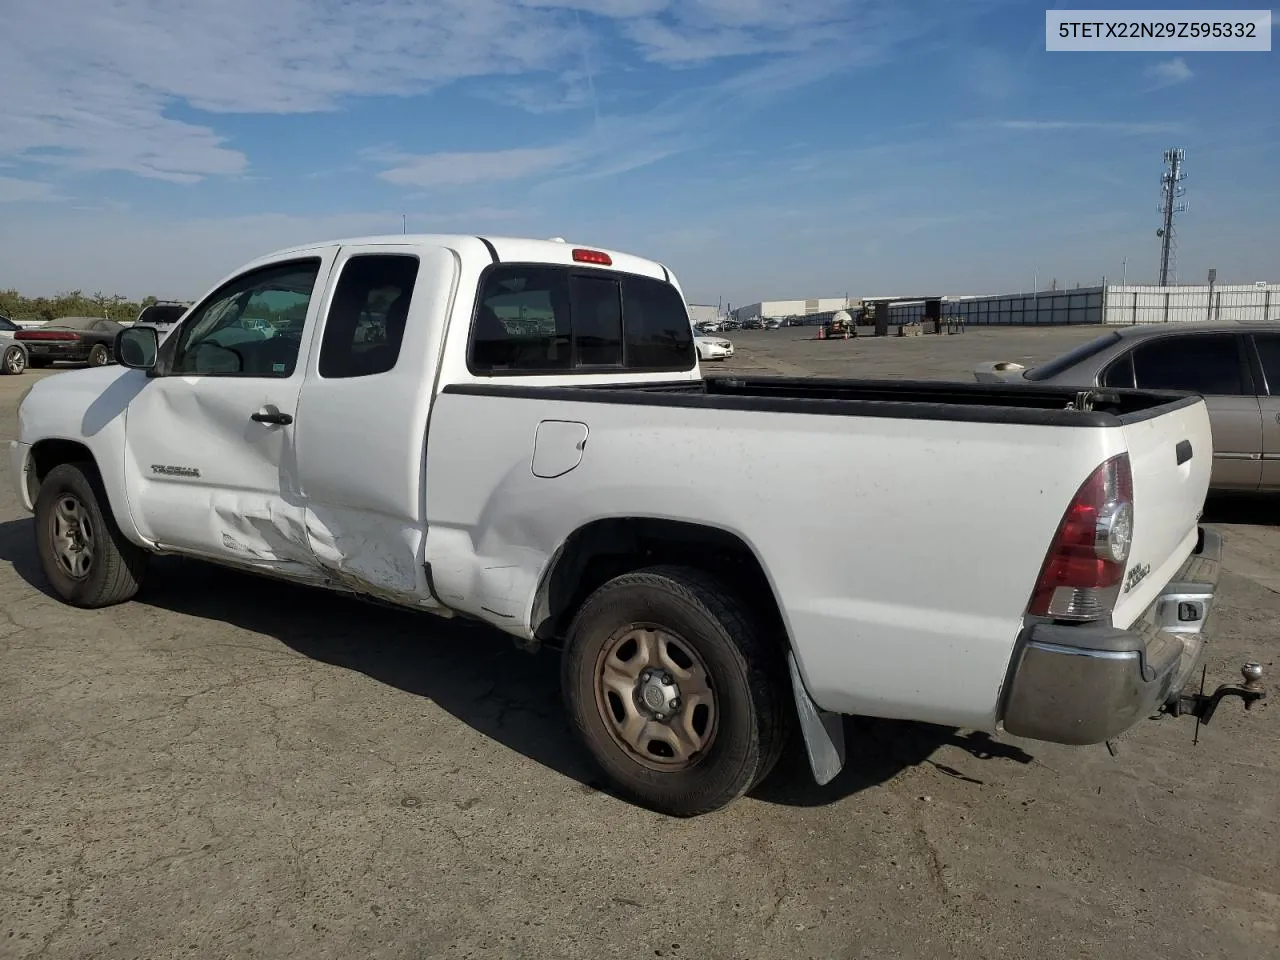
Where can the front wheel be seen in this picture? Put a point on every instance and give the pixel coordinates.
(99, 355)
(674, 690)
(15, 360)
(85, 557)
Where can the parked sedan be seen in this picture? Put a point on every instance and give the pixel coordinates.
(1234, 366)
(713, 348)
(75, 339)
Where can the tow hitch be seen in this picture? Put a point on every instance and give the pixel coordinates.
(1202, 706)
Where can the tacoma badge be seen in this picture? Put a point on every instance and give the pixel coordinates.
(166, 470)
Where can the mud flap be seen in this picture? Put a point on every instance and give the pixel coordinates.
(823, 731)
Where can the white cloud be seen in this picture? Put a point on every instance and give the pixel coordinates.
(456, 169)
(96, 84)
(617, 144)
(93, 85)
(15, 190)
(1166, 73)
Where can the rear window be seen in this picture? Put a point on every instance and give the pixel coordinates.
(546, 319)
(1072, 357)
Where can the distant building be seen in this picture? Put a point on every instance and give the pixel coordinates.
(703, 312)
(770, 309)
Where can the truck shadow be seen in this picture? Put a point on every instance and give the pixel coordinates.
(477, 675)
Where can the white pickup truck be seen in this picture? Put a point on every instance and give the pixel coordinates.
(518, 431)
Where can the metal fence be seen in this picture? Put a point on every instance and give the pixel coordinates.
(1130, 305)
(1056, 307)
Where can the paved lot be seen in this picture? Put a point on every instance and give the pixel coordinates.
(232, 767)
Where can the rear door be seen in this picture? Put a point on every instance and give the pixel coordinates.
(1267, 359)
(362, 415)
(1214, 365)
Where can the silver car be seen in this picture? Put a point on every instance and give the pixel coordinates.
(1234, 366)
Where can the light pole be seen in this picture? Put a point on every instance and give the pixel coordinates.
(1213, 278)
(404, 223)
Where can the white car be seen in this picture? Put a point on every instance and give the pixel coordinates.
(713, 348)
(526, 444)
(13, 358)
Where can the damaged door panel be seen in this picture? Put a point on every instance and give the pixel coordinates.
(362, 414)
(210, 447)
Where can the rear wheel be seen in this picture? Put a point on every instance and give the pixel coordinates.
(85, 557)
(99, 355)
(15, 360)
(674, 690)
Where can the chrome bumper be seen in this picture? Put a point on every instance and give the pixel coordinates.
(1086, 684)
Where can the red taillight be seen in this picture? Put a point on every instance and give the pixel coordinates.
(45, 335)
(1080, 579)
(592, 256)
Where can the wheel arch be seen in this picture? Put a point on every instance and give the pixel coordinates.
(49, 452)
(602, 549)
(52, 452)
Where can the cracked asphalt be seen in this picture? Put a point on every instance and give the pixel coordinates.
(230, 767)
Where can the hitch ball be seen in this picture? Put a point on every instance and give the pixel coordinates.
(1252, 672)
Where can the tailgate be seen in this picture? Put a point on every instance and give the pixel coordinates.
(1171, 455)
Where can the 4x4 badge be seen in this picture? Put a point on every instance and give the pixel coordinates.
(1136, 575)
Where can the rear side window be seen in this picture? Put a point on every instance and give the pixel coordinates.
(365, 328)
(1268, 345)
(1120, 372)
(659, 336)
(546, 319)
(1207, 364)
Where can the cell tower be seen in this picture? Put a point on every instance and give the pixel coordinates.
(1172, 192)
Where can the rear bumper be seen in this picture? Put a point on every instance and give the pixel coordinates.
(52, 350)
(1085, 684)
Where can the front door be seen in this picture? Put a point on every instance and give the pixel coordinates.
(1215, 366)
(211, 466)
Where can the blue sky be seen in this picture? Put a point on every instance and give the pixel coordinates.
(761, 148)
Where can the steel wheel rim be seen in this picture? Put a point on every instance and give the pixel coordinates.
(655, 697)
(73, 537)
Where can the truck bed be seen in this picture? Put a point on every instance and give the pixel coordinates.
(903, 399)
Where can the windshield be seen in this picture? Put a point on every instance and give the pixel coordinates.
(1072, 357)
(162, 313)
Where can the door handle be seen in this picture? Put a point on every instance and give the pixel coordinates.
(280, 418)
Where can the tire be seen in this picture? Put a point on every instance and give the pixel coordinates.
(99, 356)
(738, 724)
(115, 567)
(14, 361)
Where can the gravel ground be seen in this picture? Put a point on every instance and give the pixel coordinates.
(229, 767)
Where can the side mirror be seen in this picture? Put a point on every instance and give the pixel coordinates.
(136, 347)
